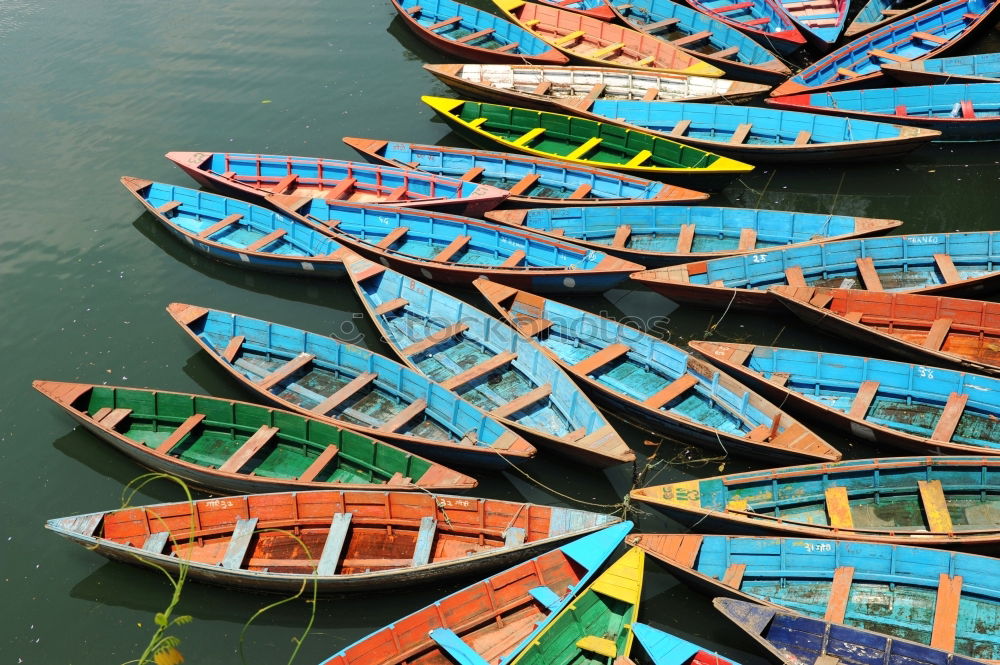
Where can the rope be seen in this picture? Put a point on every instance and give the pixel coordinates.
(711, 328)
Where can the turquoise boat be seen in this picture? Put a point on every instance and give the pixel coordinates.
(981, 68)
(665, 648)
(485, 362)
(948, 600)
(764, 20)
(877, 13)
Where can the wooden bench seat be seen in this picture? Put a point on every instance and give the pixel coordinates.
(733, 8)
(639, 158)
(339, 191)
(840, 591)
(946, 606)
(863, 399)
(935, 506)
(333, 548)
(950, 416)
(567, 38)
(651, 94)
(529, 398)
(178, 434)
(435, 338)
(937, 334)
(480, 370)
(391, 306)
(472, 174)
(757, 21)
(847, 73)
(318, 464)
(605, 51)
(514, 536)
(748, 239)
(391, 238)
(927, 37)
(457, 244)
(446, 22)
(729, 52)
(794, 276)
(168, 207)
(581, 191)
(869, 276)
(885, 55)
(425, 541)
(532, 327)
(400, 193)
(692, 38)
(507, 47)
(233, 347)
(514, 260)
(580, 151)
(622, 235)
(947, 268)
(597, 360)
(155, 542)
(261, 243)
(524, 184)
(685, 239)
(671, 391)
(838, 508)
(286, 370)
(249, 448)
(219, 225)
(742, 132)
(733, 577)
(680, 129)
(528, 137)
(412, 411)
(475, 35)
(113, 418)
(542, 88)
(285, 183)
(659, 26)
(344, 393)
(803, 137)
(239, 543)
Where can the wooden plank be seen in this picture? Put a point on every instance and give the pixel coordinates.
(168, 207)
(527, 399)
(741, 133)
(261, 243)
(733, 577)
(854, 317)
(847, 73)
(949, 597)
(863, 399)
(533, 327)
(472, 174)
(286, 370)
(219, 225)
(935, 506)
(595, 91)
(474, 35)
(114, 417)
(506, 47)
(597, 360)
(406, 415)
(392, 237)
(340, 526)
(249, 448)
(584, 148)
(514, 260)
(803, 137)
(318, 464)
(514, 537)
(605, 51)
(639, 158)
(869, 276)
(568, 37)
(542, 87)
(581, 191)
(672, 390)
(178, 434)
(286, 182)
(838, 508)
(885, 55)
(622, 234)
(338, 191)
(425, 541)
(658, 26)
(937, 334)
(446, 22)
(928, 37)
(480, 370)
(435, 338)
(840, 591)
(345, 392)
(685, 239)
(391, 306)
(952, 413)
(727, 52)
(692, 38)
(528, 136)
(239, 544)
(748, 239)
(457, 244)
(947, 268)
(155, 542)
(524, 184)
(651, 94)
(794, 276)
(680, 128)
(233, 347)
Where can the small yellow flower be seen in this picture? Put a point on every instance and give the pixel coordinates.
(168, 656)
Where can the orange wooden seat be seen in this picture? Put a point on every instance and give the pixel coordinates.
(840, 591)
(863, 399)
(949, 596)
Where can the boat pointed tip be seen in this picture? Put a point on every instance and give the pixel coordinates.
(134, 184)
(514, 217)
(186, 314)
(789, 88)
(701, 68)
(441, 104)
(370, 146)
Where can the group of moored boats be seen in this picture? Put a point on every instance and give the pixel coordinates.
(346, 482)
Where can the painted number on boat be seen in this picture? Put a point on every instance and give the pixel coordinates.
(759, 258)
(681, 494)
(925, 372)
(454, 503)
(923, 240)
(818, 547)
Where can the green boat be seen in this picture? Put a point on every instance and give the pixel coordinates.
(586, 142)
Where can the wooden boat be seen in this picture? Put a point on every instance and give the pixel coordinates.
(339, 540)
(593, 8)
(820, 21)
(560, 88)
(947, 599)
(655, 384)
(704, 37)
(228, 446)
(586, 142)
(960, 111)
(663, 648)
(350, 387)
(663, 235)
(529, 180)
(256, 176)
(764, 20)
(493, 620)
(762, 135)
(472, 34)
(598, 42)
(950, 263)
(792, 639)
(937, 501)
(928, 410)
(982, 68)
(456, 250)
(597, 627)
(485, 362)
(951, 331)
(236, 232)
(923, 35)
(877, 13)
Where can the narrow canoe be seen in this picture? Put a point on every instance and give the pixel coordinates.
(227, 446)
(558, 88)
(960, 111)
(762, 135)
(493, 620)
(529, 180)
(598, 42)
(593, 8)
(938, 501)
(820, 21)
(877, 13)
(792, 639)
(951, 263)
(704, 37)
(982, 68)
(764, 20)
(586, 142)
(472, 34)
(948, 599)
(350, 387)
(341, 540)
(928, 410)
(664, 648)
(597, 627)
(456, 250)
(239, 233)
(256, 176)
(664, 235)
(487, 363)
(923, 35)
(654, 384)
(954, 331)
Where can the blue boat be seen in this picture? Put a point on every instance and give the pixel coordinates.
(930, 263)
(960, 111)
(664, 648)
(731, 50)
(877, 13)
(763, 135)
(237, 232)
(532, 180)
(456, 250)
(764, 20)
(654, 384)
(491, 621)
(664, 235)
(946, 599)
(350, 387)
(981, 68)
(472, 34)
(485, 362)
(922, 35)
(792, 639)
(821, 21)
(593, 8)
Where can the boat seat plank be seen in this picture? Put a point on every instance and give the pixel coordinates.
(734, 7)
(155, 542)
(398, 194)
(935, 506)
(854, 317)
(261, 243)
(219, 225)
(622, 234)
(542, 87)
(282, 186)
(528, 399)
(639, 158)
(581, 191)
(507, 47)
(651, 94)
(475, 35)
(514, 260)
(435, 338)
(371, 271)
(748, 239)
(250, 447)
(524, 184)
(727, 52)
(949, 596)
(568, 37)
(605, 51)
(950, 415)
(113, 418)
(892, 12)
(446, 22)
(847, 73)
(671, 391)
(414, 10)
(692, 38)
(869, 276)
(514, 537)
(601, 646)
(967, 109)
(969, 16)
(757, 21)
(480, 370)
(391, 306)
(863, 399)
(239, 543)
(533, 327)
(937, 334)
(392, 237)
(840, 591)
(338, 191)
(794, 276)
(680, 128)
(838, 508)
(581, 150)
(597, 360)
(405, 416)
(286, 370)
(344, 393)
(457, 650)
(457, 244)
(685, 239)
(928, 37)
(741, 133)
(528, 136)
(233, 347)
(340, 526)
(425, 541)
(178, 434)
(472, 174)
(733, 577)
(947, 268)
(168, 207)
(885, 55)
(803, 137)
(318, 464)
(659, 26)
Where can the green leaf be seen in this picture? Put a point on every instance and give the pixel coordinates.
(160, 619)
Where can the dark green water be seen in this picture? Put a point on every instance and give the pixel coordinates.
(94, 91)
